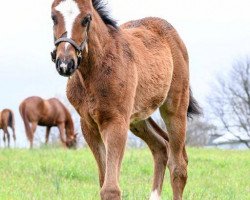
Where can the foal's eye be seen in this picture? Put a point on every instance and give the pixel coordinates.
(54, 18)
(86, 20)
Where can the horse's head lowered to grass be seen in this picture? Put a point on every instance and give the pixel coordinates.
(71, 140)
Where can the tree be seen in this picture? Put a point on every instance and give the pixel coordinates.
(199, 132)
(230, 101)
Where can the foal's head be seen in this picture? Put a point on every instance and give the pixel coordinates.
(71, 20)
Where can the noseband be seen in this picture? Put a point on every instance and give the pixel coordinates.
(78, 48)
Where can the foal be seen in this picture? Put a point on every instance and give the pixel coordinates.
(7, 120)
(37, 111)
(123, 75)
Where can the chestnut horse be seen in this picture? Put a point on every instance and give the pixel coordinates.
(7, 120)
(37, 111)
(123, 74)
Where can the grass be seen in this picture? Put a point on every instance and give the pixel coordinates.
(57, 174)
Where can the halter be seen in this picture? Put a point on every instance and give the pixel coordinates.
(78, 48)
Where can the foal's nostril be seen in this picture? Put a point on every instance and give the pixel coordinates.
(71, 64)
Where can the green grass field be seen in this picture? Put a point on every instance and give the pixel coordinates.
(61, 174)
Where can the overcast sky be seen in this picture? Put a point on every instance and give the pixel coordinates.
(216, 32)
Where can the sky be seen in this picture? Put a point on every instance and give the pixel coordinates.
(216, 34)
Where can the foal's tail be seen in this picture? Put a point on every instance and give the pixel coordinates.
(193, 108)
(11, 124)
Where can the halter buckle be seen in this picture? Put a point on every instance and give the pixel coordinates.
(79, 57)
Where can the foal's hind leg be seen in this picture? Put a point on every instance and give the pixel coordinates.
(175, 116)
(158, 147)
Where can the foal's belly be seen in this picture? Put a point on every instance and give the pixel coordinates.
(154, 81)
(149, 98)
(142, 112)
(152, 90)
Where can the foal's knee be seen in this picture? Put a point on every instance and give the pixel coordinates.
(178, 172)
(110, 193)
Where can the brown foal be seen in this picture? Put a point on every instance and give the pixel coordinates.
(7, 120)
(123, 75)
(37, 111)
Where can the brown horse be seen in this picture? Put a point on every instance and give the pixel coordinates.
(37, 111)
(123, 75)
(7, 120)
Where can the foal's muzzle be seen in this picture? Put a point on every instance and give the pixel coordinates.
(65, 67)
(65, 64)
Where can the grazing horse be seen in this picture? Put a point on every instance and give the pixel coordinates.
(7, 120)
(37, 111)
(123, 74)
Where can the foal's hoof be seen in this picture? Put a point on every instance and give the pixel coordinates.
(110, 194)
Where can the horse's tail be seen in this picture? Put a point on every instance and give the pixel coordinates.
(193, 107)
(11, 124)
(25, 121)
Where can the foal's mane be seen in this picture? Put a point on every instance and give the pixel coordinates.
(102, 10)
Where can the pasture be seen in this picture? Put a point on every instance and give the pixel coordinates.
(62, 174)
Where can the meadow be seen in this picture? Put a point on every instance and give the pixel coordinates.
(57, 174)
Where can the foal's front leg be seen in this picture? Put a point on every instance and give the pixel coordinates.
(93, 138)
(114, 135)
